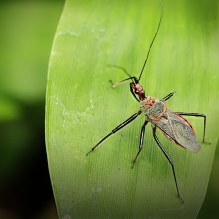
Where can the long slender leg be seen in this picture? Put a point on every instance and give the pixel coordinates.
(196, 115)
(141, 142)
(131, 90)
(134, 95)
(120, 126)
(168, 96)
(168, 158)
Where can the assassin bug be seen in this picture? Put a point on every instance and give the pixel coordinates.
(176, 128)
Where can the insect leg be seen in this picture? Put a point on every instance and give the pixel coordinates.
(126, 122)
(141, 142)
(168, 96)
(134, 95)
(131, 89)
(197, 115)
(168, 158)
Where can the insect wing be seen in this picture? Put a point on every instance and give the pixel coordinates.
(178, 130)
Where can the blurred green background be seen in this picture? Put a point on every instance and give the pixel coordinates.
(27, 31)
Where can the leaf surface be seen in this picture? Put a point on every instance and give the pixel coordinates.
(82, 107)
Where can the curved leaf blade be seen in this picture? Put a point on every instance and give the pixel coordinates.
(82, 108)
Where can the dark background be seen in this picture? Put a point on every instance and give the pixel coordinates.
(27, 31)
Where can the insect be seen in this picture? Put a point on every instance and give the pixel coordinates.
(176, 128)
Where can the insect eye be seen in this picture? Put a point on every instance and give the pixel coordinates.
(132, 84)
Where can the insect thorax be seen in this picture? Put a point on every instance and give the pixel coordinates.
(152, 108)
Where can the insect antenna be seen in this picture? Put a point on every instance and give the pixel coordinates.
(133, 78)
(151, 44)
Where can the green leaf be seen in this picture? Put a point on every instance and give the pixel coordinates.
(82, 107)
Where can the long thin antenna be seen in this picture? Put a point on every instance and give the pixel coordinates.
(116, 66)
(151, 44)
(133, 78)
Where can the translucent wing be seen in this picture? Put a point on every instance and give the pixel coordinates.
(178, 130)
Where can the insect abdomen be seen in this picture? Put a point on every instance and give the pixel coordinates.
(178, 130)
